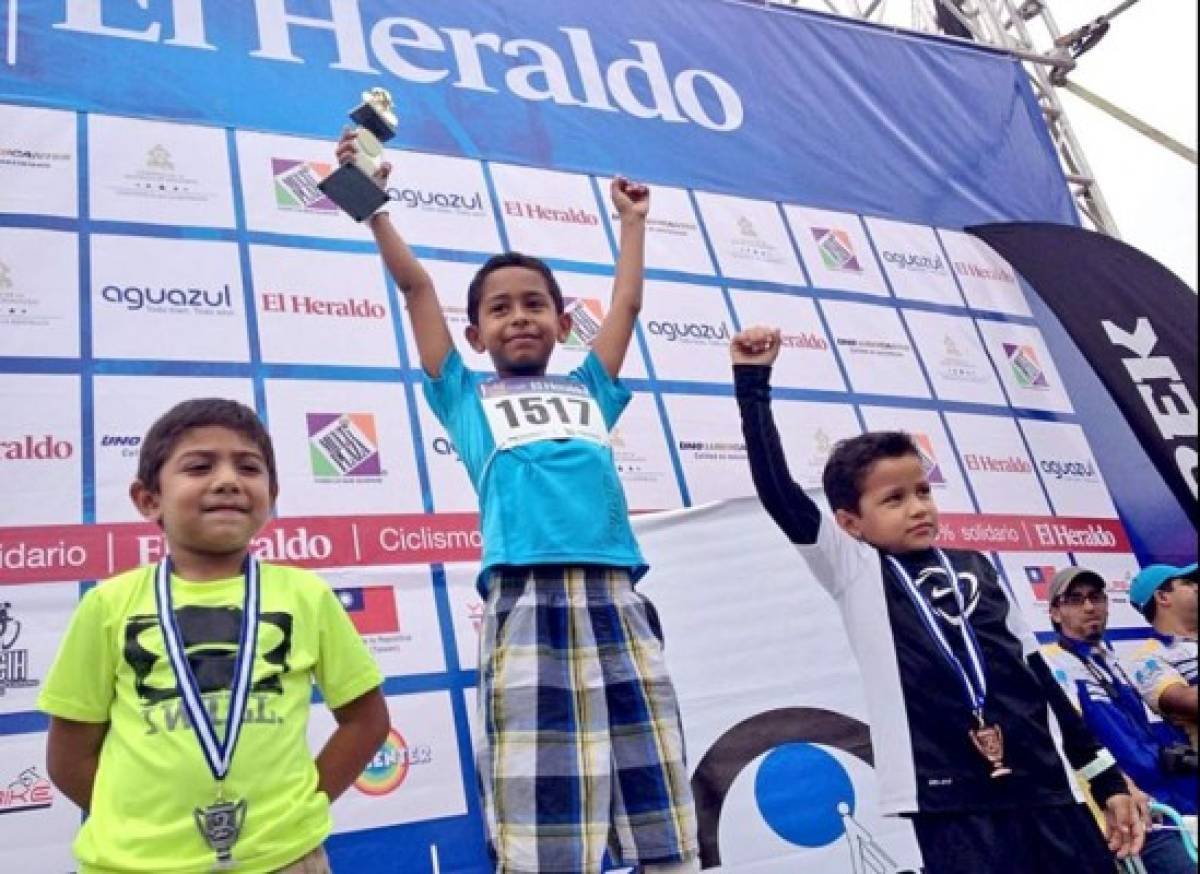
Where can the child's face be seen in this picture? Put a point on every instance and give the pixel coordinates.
(518, 322)
(896, 512)
(214, 493)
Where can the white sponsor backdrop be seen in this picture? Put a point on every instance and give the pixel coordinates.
(178, 261)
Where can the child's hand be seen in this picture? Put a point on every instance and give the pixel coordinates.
(757, 345)
(631, 199)
(347, 152)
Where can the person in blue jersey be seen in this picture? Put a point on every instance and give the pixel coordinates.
(1094, 679)
(962, 707)
(579, 751)
(1164, 665)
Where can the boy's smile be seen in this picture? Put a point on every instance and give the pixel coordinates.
(214, 495)
(896, 510)
(519, 322)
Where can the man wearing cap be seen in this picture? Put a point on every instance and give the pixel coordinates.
(1164, 666)
(1087, 669)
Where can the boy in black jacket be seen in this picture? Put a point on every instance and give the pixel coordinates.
(961, 724)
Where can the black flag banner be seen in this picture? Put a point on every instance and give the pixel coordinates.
(1135, 323)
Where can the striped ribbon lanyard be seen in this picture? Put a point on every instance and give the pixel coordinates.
(218, 752)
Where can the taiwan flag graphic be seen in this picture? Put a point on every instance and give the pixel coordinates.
(1039, 577)
(372, 609)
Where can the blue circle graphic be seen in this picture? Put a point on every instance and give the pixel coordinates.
(799, 788)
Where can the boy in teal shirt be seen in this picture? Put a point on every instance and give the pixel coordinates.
(580, 748)
(180, 696)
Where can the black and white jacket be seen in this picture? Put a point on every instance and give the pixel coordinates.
(920, 717)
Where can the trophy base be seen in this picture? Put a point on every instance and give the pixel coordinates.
(354, 191)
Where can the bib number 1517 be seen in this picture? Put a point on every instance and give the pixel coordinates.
(546, 410)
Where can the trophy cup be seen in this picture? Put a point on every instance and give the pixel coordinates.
(220, 825)
(352, 186)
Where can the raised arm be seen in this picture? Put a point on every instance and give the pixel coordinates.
(754, 350)
(632, 202)
(420, 297)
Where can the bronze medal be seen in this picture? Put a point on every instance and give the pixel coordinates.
(989, 740)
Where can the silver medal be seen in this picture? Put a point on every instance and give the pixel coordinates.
(220, 824)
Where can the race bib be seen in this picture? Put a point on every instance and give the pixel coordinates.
(525, 410)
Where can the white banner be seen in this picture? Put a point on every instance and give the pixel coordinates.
(771, 697)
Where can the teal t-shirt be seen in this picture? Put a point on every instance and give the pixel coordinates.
(537, 454)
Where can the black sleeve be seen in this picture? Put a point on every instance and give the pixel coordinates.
(1079, 743)
(787, 503)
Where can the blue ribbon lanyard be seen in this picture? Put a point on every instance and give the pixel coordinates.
(974, 681)
(217, 753)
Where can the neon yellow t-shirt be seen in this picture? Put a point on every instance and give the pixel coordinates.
(112, 667)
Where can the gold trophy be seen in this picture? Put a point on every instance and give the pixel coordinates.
(352, 186)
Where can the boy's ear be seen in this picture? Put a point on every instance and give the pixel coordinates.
(849, 522)
(472, 335)
(148, 503)
(564, 327)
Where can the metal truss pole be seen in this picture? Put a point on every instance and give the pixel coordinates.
(1006, 26)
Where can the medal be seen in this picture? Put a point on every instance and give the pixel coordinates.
(219, 823)
(988, 739)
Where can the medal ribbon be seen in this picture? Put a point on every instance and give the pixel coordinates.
(974, 682)
(218, 753)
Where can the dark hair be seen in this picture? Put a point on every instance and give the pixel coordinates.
(164, 435)
(852, 459)
(509, 259)
(1150, 609)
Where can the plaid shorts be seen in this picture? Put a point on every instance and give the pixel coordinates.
(581, 746)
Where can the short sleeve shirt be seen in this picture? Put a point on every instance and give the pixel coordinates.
(537, 453)
(1160, 662)
(111, 667)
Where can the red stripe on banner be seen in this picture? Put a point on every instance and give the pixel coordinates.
(988, 532)
(69, 553)
(445, 537)
(54, 553)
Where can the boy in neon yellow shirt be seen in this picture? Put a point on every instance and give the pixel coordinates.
(179, 698)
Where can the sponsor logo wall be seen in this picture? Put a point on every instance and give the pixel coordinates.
(875, 349)
(32, 809)
(158, 173)
(38, 161)
(915, 264)
(183, 261)
(954, 357)
(749, 239)
(836, 250)
(36, 316)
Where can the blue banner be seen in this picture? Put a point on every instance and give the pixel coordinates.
(704, 93)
